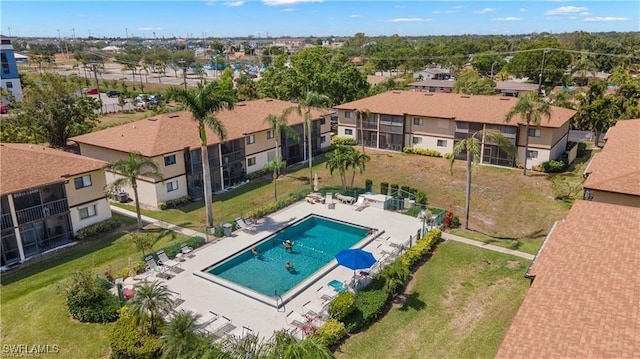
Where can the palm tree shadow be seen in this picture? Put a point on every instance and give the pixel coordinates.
(412, 301)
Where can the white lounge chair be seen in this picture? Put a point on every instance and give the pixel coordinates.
(164, 260)
(154, 267)
(298, 320)
(326, 293)
(360, 204)
(248, 228)
(217, 325)
(241, 332)
(186, 250)
(316, 309)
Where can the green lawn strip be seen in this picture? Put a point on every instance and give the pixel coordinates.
(459, 305)
(527, 245)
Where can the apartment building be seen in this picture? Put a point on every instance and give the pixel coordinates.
(172, 141)
(437, 121)
(10, 79)
(47, 196)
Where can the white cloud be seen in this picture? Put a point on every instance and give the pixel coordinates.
(234, 3)
(289, 9)
(584, 13)
(287, 2)
(522, 9)
(510, 18)
(409, 19)
(604, 19)
(399, 6)
(355, 16)
(458, 7)
(486, 10)
(149, 28)
(564, 10)
(446, 11)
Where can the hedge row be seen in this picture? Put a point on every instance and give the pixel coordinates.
(422, 151)
(349, 313)
(346, 141)
(174, 203)
(172, 250)
(98, 228)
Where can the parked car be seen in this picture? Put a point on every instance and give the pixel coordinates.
(141, 103)
(142, 97)
(4, 109)
(93, 91)
(113, 93)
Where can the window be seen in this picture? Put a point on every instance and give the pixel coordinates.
(251, 161)
(5, 63)
(443, 123)
(432, 89)
(269, 134)
(417, 140)
(9, 85)
(417, 121)
(251, 139)
(82, 182)
(347, 114)
(170, 160)
(172, 186)
(323, 139)
(532, 154)
(87, 212)
(534, 132)
(441, 143)
(323, 121)
(348, 132)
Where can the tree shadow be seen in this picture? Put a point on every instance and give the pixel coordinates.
(413, 301)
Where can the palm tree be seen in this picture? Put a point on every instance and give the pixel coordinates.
(130, 168)
(204, 102)
(339, 160)
(531, 110)
(583, 67)
(472, 146)
(279, 125)
(395, 275)
(361, 114)
(312, 100)
(181, 337)
(149, 301)
(358, 161)
(275, 165)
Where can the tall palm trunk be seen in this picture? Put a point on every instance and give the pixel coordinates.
(467, 197)
(278, 153)
(134, 185)
(526, 146)
(275, 186)
(310, 155)
(206, 177)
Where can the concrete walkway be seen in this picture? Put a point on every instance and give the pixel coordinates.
(159, 223)
(491, 247)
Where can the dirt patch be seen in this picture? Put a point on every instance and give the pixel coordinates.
(513, 264)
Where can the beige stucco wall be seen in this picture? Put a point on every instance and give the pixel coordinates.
(261, 160)
(615, 198)
(548, 136)
(101, 153)
(341, 131)
(163, 195)
(95, 191)
(327, 124)
(343, 120)
(103, 212)
(543, 156)
(262, 143)
(430, 126)
(430, 142)
(171, 170)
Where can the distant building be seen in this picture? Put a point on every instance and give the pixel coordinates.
(435, 73)
(439, 86)
(514, 88)
(10, 80)
(111, 50)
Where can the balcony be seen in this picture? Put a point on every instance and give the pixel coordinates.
(7, 221)
(38, 213)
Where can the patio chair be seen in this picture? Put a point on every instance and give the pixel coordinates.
(318, 310)
(154, 267)
(248, 228)
(241, 332)
(164, 260)
(298, 320)
(186, 250)
(326, 293)
(360, 204)
(217, 327)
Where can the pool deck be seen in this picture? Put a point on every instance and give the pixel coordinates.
(203, 296)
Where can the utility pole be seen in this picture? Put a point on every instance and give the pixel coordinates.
(126, 32)
(544, 52)
(73, 29)
(9, 27)
(94, 67)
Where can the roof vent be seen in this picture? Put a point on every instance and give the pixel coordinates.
(174, 116)
(268, 100)
(396, 92)
(134, 126)
(465, 96)
(152, 119)
(241, 104)
(30, 146)
(428, 94)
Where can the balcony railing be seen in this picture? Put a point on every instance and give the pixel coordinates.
(37, 213)
(391, 129)
(7, 221)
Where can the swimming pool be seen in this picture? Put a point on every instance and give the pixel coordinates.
(316, 241)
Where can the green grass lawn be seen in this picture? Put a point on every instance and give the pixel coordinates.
(527, 245)
(459, 305)
(32, 310)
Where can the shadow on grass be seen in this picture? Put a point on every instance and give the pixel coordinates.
(412, 301)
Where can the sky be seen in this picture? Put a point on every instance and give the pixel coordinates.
(273, 18)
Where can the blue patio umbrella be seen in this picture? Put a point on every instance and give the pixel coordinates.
(355, 259)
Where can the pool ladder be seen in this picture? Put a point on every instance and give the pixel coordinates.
(278, 296)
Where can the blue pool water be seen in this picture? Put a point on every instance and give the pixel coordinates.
(316, 241)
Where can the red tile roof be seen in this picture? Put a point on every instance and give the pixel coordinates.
(585, 299)
(24, 166)
(617, 167)
(172, 132)
(482, 109)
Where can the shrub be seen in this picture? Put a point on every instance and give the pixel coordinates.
(257, 174)
(342, 306)
(88, 300)
(421, 248)
(422, 151)
(371, 303)
(448, 155)
(448, 219)
(127, 341)
(537, 168)
(368, 185)
(421, 198)
(122, 273)
(98, 228)
(330, 333)
(384, 188)
(455, 221)
(554, 166)
(395, 275)
(405, 191)
(582, 148)
(341, 140)
(174, 203)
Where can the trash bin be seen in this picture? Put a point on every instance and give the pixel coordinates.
(227, 228)
(123, 197)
